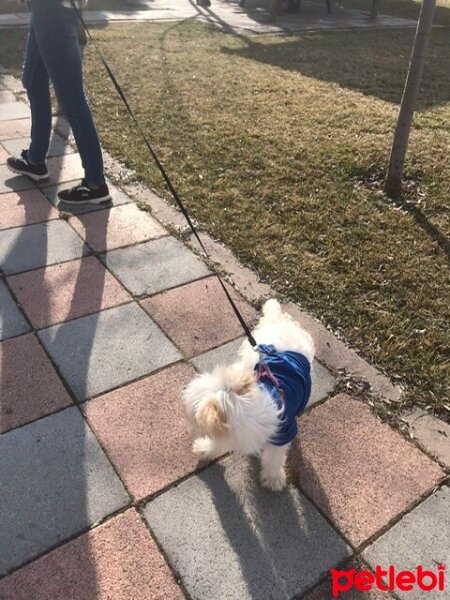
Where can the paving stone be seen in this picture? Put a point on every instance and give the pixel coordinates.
(64, 168)
(10, 19)
(30, 385)
(245, 280)
(223, 355)
(323, 383)
(150, 409)
(432, 433)
(6, 97)
(51, 193)
(12, 83)
(56, 482)
(24, 208)
(10, 182)
(3, 156)
(160, 208)
(58, 146)
(118, 560)
(102, 351)
(12, 321)
(347, 461)
(198, 316)
(66, 291)
(14, 128)
(232, 539)
(117, 227)
(14, 110)
(33, 246)
(154, 266)
(419, 538)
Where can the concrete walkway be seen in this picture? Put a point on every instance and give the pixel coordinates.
(105, 316)
(229, 15)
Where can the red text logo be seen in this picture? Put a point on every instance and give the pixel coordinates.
(388, 579)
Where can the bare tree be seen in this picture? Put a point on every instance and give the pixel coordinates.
(393, 182)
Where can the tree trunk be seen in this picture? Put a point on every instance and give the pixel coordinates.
(393, 182)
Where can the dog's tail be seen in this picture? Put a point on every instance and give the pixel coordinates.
(271, 308)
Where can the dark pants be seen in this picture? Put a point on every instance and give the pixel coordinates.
(53, 54)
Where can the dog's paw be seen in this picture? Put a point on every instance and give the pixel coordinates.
(274, 482)
(203, 448)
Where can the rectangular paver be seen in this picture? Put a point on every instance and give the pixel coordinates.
(420, 538)
(10, 182)
(198, 316)
(116, 561)
(12, 321)
(102, 351)
(155, 266)
(58, 146)
(117, 227)
(231, 539)
(25, 208)
(3, 156)
(14, 128)
(56, 481)
(432, 433)
(14, 110)
(64, 168)
(34, 246)
(143, 428)
(6, 97)
(223, 355)
(348, 462)
(30, 387)
(66, 291)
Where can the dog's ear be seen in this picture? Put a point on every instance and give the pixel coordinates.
(243, 382)
(211, 418)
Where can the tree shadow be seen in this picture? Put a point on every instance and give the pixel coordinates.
(372, 62)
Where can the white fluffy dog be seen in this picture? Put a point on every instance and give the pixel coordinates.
(250, 406)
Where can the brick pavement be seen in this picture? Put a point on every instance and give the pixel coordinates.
(104, 317)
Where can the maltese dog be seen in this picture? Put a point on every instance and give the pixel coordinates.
(250, 407)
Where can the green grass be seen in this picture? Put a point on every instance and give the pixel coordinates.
(278, 145)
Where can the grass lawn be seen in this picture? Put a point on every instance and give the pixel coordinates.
(278, 144)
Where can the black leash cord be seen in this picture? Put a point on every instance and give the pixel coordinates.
(164, 175)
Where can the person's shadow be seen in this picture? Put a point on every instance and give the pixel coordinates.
(55, 455)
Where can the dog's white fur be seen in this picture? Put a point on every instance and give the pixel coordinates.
(229, 411)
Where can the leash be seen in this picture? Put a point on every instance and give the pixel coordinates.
(164, 174)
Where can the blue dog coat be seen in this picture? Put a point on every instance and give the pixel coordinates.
(290, 387)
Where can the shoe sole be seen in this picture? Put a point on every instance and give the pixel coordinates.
(29, 175)
(91, 201)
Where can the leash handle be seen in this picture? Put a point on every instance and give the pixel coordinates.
(164, 174)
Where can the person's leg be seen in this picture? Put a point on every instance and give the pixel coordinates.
(56, 30)
(35, 81)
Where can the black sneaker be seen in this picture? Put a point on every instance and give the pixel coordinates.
(21, 166)
(83, 194)
(204, 3)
